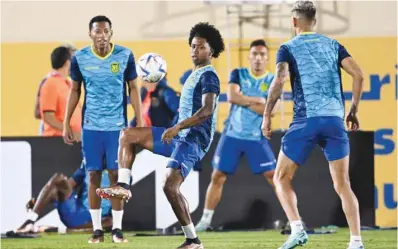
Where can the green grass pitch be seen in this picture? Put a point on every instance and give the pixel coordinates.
(211, 240)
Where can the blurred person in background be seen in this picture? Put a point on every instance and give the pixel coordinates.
(159, 104)
(37, 104)
(247, 92)
(185, 76)
(53, 95)
(70, 197)
(314, 63)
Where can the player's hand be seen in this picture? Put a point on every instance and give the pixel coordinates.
(170, 133)
(154, 77)
(77, 136)
(140, 123)
(352, 121)
(261, 101)
(67, 134)
(266, 127)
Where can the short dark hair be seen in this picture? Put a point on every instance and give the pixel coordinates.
(305, 9)
(99, 19)
(211, 34)
(59, 56)
(259, 42)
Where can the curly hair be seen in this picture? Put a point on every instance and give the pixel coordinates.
(212, 36)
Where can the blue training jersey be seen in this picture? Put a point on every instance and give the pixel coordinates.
(242, 122)
(82, 180)
(314, 64)
(104, 80)
(201, 81)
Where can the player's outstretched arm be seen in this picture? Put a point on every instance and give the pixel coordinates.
(135, 99)
(209, 101)
(236, 97)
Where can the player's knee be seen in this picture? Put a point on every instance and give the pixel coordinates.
(122, 137)
(95, 176)
(55, 178)
(340, 185)
(218, 178)
(128, 136)
(113, 175)
(169, 187)
(269, 175)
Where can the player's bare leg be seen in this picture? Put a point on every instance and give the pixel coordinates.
(213, 198)
(56, 189)
(180, 207)
(341, 181)
(117, 211)
(284, 173)
(129, 139)
(95, 206)
(269, 177)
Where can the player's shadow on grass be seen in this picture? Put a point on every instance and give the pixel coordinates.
(256, 218)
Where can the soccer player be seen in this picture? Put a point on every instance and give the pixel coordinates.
(314, 62)
(69, 196)
(104, 68)
(247, 91)
(188, 141)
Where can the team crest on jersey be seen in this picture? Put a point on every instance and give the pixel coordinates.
(115, 67)
(264, 87)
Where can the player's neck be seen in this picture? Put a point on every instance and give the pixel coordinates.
(304, 29)
(257, 73)
(103, 51)
(64, 72)
(202, 64)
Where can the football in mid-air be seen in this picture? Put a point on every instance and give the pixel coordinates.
(151, 67)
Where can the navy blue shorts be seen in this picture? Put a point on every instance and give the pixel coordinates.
(98, 145)
(229, 151)
(72, 212)
(327, 132)
(183, 154)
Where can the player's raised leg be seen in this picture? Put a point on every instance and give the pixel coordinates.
(56, 189)
(128, 140)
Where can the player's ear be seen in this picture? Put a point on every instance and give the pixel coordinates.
(295, 22)
(111, 33)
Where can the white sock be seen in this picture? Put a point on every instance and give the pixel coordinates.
(296, 226)
(207, 216)
(117, 217)
(96, 219)
(124, 176)
(356, 241)
(189, 231)
(32, 215)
